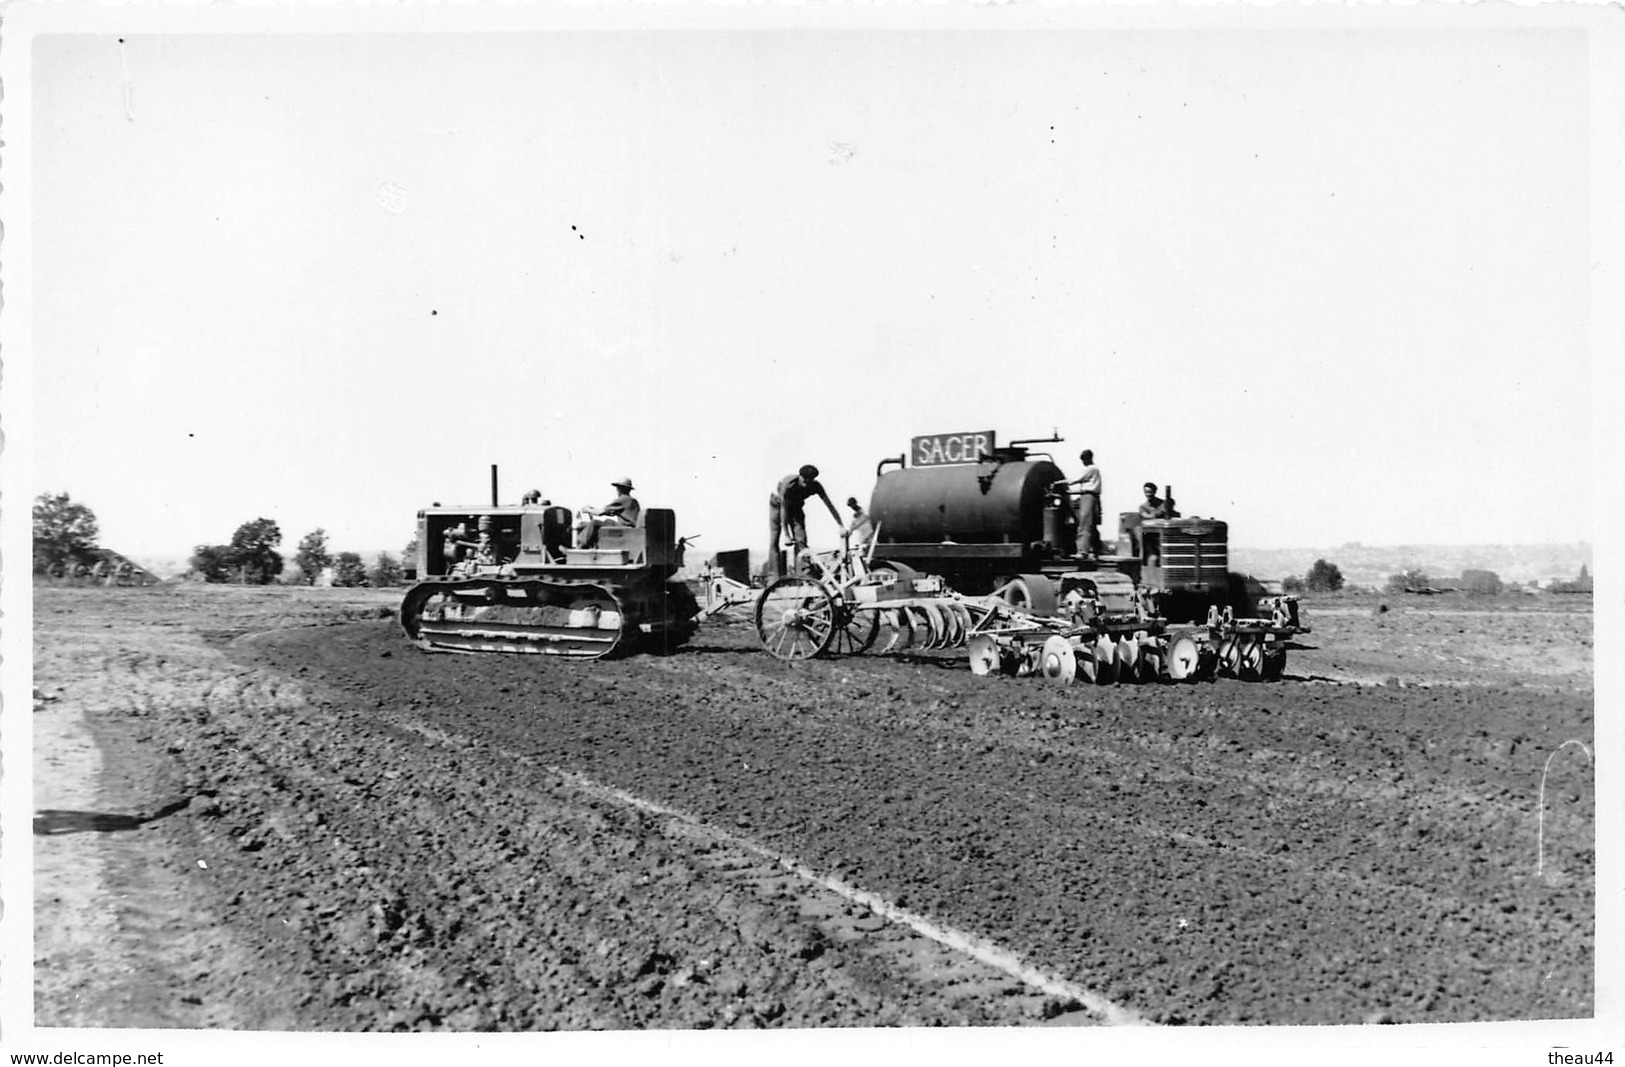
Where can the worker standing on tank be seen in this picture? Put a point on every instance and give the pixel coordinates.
(786, 510)
(1088, 484)
(622, 511)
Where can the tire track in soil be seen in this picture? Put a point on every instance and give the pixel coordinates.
(405, 885)
(1357, 862)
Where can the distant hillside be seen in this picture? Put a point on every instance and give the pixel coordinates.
(1372, 564)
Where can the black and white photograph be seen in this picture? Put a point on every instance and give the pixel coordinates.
(721, 531)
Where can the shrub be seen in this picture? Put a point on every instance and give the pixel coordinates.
(1410, 580)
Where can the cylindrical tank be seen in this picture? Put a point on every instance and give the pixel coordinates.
(971, 503)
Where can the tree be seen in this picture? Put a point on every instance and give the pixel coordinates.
(1292, 584)
(63, 530)
(254, 553)
(213, 563)
(386, 571)
(1484, 582)
(312, 556)
(409, 561)
(1323, 577)
(348, 570)
(1581, 583)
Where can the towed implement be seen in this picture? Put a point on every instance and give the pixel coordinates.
(506, 579)
(846, 602)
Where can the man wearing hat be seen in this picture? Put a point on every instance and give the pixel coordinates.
(786, 510)
(622, 511)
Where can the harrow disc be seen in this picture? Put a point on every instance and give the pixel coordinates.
(1128, 658)
(795, 618)
(921, 632)
(902, 630)
(1184, 655)
(984, 655)
(1229, 655)
(1057, 663)
(1250, 657)
(936, 625)
(1105, 655)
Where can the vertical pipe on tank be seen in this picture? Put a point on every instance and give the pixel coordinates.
(493, 485)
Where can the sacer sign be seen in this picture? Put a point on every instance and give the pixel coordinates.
(944, 448)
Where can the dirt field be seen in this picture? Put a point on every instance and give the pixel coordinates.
(260, 808)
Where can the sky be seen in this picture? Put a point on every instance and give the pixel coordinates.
(1331, 285)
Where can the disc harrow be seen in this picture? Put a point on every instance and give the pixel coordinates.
(802, 617)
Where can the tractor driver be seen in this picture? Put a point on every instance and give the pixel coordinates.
(786, 512)
(1154, 507)
(622, 511)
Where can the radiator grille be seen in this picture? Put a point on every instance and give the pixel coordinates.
(1195, 557)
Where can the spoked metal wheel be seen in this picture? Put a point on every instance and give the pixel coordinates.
(795, 618)
(856, 631)
(1057, 662)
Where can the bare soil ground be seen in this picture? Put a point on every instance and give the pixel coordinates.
(260, 808)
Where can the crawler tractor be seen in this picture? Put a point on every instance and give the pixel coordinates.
(507, 579)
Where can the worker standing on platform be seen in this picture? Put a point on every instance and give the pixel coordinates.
(787, 514)
(1088, 484)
